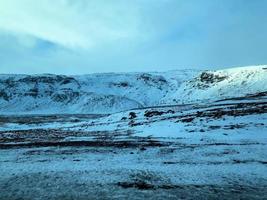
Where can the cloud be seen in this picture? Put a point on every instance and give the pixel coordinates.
(73, 24)
(85, 36)
(89, 23)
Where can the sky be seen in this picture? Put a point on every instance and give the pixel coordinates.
(92, 36)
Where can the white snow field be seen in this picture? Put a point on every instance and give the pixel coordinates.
(173, 135)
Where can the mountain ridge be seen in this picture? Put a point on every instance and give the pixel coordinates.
(114, 92)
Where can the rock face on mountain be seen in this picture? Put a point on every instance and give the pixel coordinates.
(111, 92)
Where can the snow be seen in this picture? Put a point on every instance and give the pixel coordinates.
(238, 82)
(114, 92)
(221, 152)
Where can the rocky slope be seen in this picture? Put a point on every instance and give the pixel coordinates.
(110, 92)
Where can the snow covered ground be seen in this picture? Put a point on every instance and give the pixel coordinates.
(190, 135)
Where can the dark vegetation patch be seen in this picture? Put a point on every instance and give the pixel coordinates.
(132, 115)
(38, 119)
(206, 79)
(253, 96)
(152, 80)
(209, 78)
(227, 162)
(151, 113)
(170, 162)
(53, 137)
(189, 119)
(117, 144)
(121, 84)
(141, 185)
(241, 109)
(123, 118)
(214, 127)
(4, 95)
(69, 151)
(238, 161)
(146, 180)
(65, 95)
(227, 127)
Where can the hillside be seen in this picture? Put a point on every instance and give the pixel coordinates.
(111, 92)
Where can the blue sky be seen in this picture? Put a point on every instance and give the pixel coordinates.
(88, 36)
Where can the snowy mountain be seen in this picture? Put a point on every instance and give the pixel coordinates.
(221, 84)
(114, 92)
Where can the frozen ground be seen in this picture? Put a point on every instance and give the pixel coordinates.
(185, 172)
(209, 151)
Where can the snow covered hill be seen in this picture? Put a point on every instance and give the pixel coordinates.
(221, 84)
(111, 92)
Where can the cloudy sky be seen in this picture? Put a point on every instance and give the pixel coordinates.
(88, 36)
